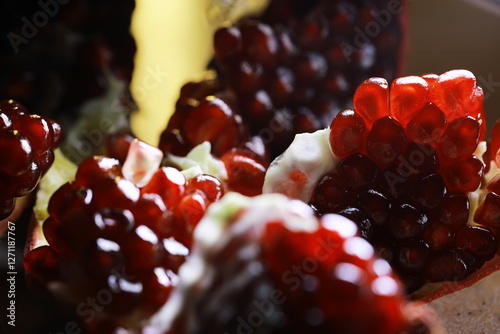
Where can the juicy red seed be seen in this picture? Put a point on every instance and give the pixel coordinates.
(174, 143)
(449, 264)
(411, 254)
(211, 187)
(169, 183)
(375, 205)
(259, 42)
(16, 153)
(118, 193)
(192, 208)
(439, 236)
(258, 108)
(348, 133)
(454, 210)
(417, 159)
(428, 192)
(427, 126)
(247, 77)
(42, 262)
(157, 288)
(141, 249)
(312, 31)
(408, 96)
(227, 42)
(488, 214)
(57, 238)
(385, 141)
(371, 99)
(311, 67)
(95, 169)
(407, 222)
(464, 175)
(358, 170)
(460, 138)
(113, 223)
(208, 121)
(282, 84)
(45, 160)
(477, 240)
(26, 182)
(100, 257)
(366, 228)
(245, 175)
(456, 94)
(332, 194)
(37, 130)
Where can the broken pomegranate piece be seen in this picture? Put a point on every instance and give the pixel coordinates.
(267, 264)
(119, 233)
(408, 168)
(288, 71)
(27, 144)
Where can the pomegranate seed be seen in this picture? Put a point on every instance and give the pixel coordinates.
(408, 96)
(169, 183)
(371, 100)
(331, 194)
(412, 254)
(477, 240)
(245, 175)
(450, 264)
(407, 222)
(464, 175)
(375, 205)
(428, 192)
(454, 210)
(348, 134)
(427, 126)
(358, 170)
(385, 141)
(455, 92)
(460, 138)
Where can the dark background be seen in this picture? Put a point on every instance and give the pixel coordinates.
(445, 35)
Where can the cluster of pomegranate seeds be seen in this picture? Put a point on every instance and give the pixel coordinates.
(406, 167)
(289, 71)
(27, 144)
(56, 55)
(107, 231)
(276, 269)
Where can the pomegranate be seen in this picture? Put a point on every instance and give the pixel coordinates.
(286, 72)
(27, 144)
(407, 166)
(268, 265)
(120, 233)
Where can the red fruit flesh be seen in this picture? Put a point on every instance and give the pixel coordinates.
(406, 181)
(105, 233)
(26, 150)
